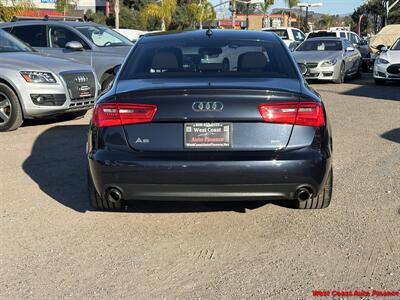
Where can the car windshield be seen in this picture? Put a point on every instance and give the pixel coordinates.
(103, 36)
(208, 58)
(9, 43)
(282, 33)
(320, 45)
(396, 45)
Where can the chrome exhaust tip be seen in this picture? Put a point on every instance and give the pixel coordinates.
(114, 195)
(303, 194)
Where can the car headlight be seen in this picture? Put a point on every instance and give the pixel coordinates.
(381, 61)
(38, 77)
(329, 63)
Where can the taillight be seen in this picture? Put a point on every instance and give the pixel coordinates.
(116, 114)
(296, 113)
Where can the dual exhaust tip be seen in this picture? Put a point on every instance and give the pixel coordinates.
(114, 195)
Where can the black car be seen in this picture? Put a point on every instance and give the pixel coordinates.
(210, 115)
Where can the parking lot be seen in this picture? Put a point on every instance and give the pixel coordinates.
(54, 247)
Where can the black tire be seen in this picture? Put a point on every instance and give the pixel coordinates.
(358, 75)
(322, 200)
(342, 75)
(106, 80)
(96, 201)
(225, 65)
(11, 116)
(380, 81)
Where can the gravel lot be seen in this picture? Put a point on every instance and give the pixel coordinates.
(54, 247)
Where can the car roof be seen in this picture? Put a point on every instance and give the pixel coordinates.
(48, 22)
(216, 34)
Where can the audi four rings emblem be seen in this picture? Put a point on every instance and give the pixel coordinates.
(207, 106)
(81, 79)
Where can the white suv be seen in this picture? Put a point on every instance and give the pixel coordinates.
(291, 36)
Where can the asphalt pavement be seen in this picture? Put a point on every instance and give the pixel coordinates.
(52, 246)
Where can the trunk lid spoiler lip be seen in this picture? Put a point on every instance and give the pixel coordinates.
(267, 84)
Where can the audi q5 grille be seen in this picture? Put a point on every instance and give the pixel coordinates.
(81, 86)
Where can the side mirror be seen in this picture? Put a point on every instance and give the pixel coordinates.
(303, 68)
(350, 49)
(381, 48)
(73, 45)
(384, 49)
(116, 69)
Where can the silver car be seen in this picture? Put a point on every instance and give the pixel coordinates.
(83, 42)
(331, 59)
(34, 86)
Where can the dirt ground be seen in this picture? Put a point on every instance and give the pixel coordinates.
(52, 246)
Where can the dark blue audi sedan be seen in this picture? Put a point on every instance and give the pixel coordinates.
(210, 115)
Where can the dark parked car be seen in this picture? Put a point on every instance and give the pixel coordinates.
(175, 126)
(83, 42)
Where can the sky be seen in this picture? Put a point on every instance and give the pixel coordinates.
(332, 7)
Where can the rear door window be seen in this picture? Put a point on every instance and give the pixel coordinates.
(34, 35)
(282, 33)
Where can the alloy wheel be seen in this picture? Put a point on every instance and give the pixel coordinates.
(5, 108)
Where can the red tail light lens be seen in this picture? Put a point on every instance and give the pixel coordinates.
(117, 114)
(296, 113)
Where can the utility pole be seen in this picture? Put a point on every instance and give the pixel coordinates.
(307, 5)
(116, 12)
(389, 7)
(247, 16)
(233, 13)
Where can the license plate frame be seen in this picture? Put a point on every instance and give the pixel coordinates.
(207, 135)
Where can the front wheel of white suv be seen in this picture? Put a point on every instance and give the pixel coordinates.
(10, 109)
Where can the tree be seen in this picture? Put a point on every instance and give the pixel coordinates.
(8, 12)
(375, 13)
(65, 6)
(290, 4)
(97, 17)
(162, 10)
(201, 11)
(328, 21)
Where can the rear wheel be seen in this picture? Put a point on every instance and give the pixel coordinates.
(96, 201)
(380, 81)
(322, 200)
(10, 109)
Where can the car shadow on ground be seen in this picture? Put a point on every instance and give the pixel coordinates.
(390, 91)
(58, 165)
(392, 135)
(365, 88)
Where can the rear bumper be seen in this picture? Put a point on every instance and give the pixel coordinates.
(237, 177)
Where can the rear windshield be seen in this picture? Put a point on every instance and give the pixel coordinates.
(282, 33)
(320, 45)
(321, 34)
(206, 58)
